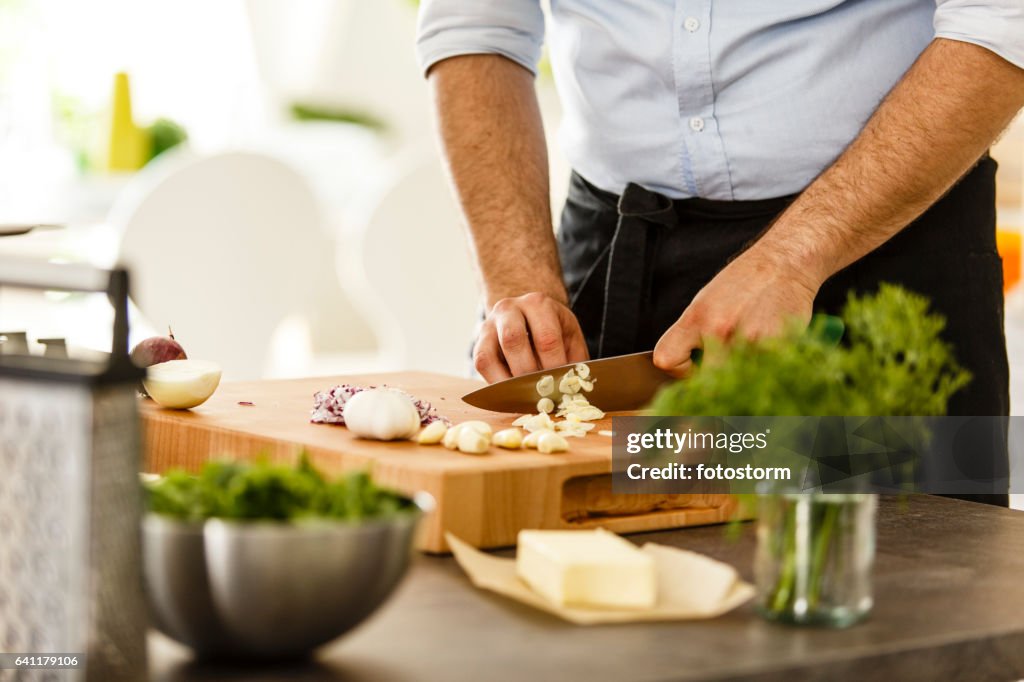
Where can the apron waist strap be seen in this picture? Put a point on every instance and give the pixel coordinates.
(639, 209)
(639, 214)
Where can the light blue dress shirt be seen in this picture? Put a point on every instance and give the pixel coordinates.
(734, 99)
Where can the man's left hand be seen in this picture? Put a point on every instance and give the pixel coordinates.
(754, 297)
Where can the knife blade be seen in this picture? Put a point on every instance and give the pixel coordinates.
(623, 382)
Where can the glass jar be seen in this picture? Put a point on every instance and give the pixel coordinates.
(815, 554)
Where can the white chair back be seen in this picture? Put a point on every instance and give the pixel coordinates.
(220, 248)
(407, 254)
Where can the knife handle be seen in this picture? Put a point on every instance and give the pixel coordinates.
(828, 328)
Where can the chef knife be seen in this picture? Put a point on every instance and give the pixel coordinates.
(624, 382)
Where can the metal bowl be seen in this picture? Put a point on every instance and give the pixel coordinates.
(270, 590)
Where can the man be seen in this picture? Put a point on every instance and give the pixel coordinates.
(737, 164)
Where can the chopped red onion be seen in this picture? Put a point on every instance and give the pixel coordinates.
(329, 405)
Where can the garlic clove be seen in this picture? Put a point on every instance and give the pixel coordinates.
(433, 433)
(549, 443)
(533, 438)
(472, 442)
(478, 426)
(450, 439)
(510, 439)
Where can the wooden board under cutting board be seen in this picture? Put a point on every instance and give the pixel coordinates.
(485, 499)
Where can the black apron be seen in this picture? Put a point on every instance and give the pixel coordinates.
(632, 264)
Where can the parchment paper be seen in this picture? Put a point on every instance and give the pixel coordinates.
(691, 586)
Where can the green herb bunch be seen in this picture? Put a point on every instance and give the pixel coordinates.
(892, 362)
(263, 490)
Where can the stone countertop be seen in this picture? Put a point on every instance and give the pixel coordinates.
(949, 604)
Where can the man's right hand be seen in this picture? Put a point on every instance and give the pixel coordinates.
(525, 334)
(493, 141)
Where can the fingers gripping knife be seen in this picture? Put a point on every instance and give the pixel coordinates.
(69, 496)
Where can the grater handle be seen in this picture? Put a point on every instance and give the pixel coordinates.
(117, 292)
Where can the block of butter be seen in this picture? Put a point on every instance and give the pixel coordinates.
(586, 568)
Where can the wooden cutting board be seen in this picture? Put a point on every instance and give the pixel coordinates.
(485, 499)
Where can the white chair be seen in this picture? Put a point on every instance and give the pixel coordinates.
(222, 249)
(404, 257)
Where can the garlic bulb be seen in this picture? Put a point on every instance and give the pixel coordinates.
(381, 414)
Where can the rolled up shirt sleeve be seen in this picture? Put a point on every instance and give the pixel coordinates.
(449, 28)
(997, 25)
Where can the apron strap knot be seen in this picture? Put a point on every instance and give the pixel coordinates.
(639, 209)
(637, 202)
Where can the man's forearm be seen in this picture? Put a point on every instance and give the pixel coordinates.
(493, 141)
(931, 129)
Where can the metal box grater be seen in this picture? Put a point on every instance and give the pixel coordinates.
(70, 502)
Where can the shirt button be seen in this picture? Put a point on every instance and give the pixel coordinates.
(691, 24)
(697, 124)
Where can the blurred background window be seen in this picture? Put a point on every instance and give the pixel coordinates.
(132, 123)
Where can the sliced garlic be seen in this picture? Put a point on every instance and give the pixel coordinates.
(570, 383)
(572, 401)
(573, 408)
(551, 442)
(535, 422)
(574, 427)
(589, 413)
(510, 439)
(433, 433)
(606, 432)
